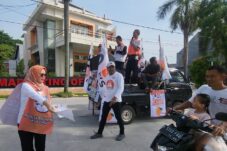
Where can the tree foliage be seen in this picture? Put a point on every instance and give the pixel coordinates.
(199, 66)
(7, 50)
(213, 24)
(7, 46)
(20, 68)
(185, 17)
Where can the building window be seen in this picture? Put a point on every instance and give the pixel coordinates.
(80, 63)
(81, 28)
(33, 34)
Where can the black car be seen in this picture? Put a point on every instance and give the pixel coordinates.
(136, 101)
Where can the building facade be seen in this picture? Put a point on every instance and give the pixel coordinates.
(44, 36)
(193, 52)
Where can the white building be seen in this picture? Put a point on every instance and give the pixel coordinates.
(44, 36)
(13, 62)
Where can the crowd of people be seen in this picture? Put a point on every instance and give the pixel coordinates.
(130, 62)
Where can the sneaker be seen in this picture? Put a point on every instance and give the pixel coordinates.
(96, 135)
(120, 137)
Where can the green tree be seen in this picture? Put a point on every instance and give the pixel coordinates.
(199, 66)
(185, 17)
(6, 39)
(213, 24)
(20, 68)
(6, 51)
(7, 46)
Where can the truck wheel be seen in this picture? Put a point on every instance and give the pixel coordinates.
(127, 114)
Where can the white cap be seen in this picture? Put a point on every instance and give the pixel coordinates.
(111, 63)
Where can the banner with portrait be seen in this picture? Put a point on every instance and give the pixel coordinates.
(157, 103)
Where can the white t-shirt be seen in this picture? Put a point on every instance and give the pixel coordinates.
(120, 57)
(114, 86)
(218, 102)
(28, 92)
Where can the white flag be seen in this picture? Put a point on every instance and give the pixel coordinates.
(102, 69)
(163, 63)
(88, 71)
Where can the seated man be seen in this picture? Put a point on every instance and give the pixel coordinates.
(151, 73)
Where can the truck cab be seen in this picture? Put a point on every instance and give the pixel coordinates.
(136, 101)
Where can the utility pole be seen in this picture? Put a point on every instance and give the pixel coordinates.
(66, 33)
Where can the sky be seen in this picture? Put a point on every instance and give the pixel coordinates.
(142, 12)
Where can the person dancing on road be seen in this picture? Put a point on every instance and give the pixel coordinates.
(112, 99)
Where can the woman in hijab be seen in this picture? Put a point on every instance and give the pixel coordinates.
(35, 119)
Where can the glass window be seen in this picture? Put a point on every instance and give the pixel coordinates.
(49, 41)
(80, 29)
(176, 77)
(79, 68)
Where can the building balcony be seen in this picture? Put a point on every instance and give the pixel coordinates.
(84, 39)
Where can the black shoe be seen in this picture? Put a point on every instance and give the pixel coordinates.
(120, 137)
(96, 135)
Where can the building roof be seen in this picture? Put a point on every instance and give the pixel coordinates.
(77, 7)
(72, 8)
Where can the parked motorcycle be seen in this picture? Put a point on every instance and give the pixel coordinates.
(187, 134)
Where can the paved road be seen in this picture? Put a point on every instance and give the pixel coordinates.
(74, 136)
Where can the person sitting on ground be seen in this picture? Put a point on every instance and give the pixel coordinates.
(200, 108)
(151, 73)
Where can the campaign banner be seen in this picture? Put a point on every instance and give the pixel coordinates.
(12, 82)
(110, 118)
(88, 71)
(102, 69)
(157, 103)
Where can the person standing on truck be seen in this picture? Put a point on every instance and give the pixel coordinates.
(120, 54)
(134, 53)
(112, 99)
(94, 61)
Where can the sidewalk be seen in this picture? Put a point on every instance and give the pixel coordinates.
(4, 92)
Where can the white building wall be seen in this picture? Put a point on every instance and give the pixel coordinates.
(71, 71)
(44, 12)
(40, 42)
(60, 62)
(26, 53)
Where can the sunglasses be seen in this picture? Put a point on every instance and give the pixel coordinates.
(43, 74)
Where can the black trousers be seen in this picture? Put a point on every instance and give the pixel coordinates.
(105, 110)
(120, 67)
(27, 138)
(132, 66)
